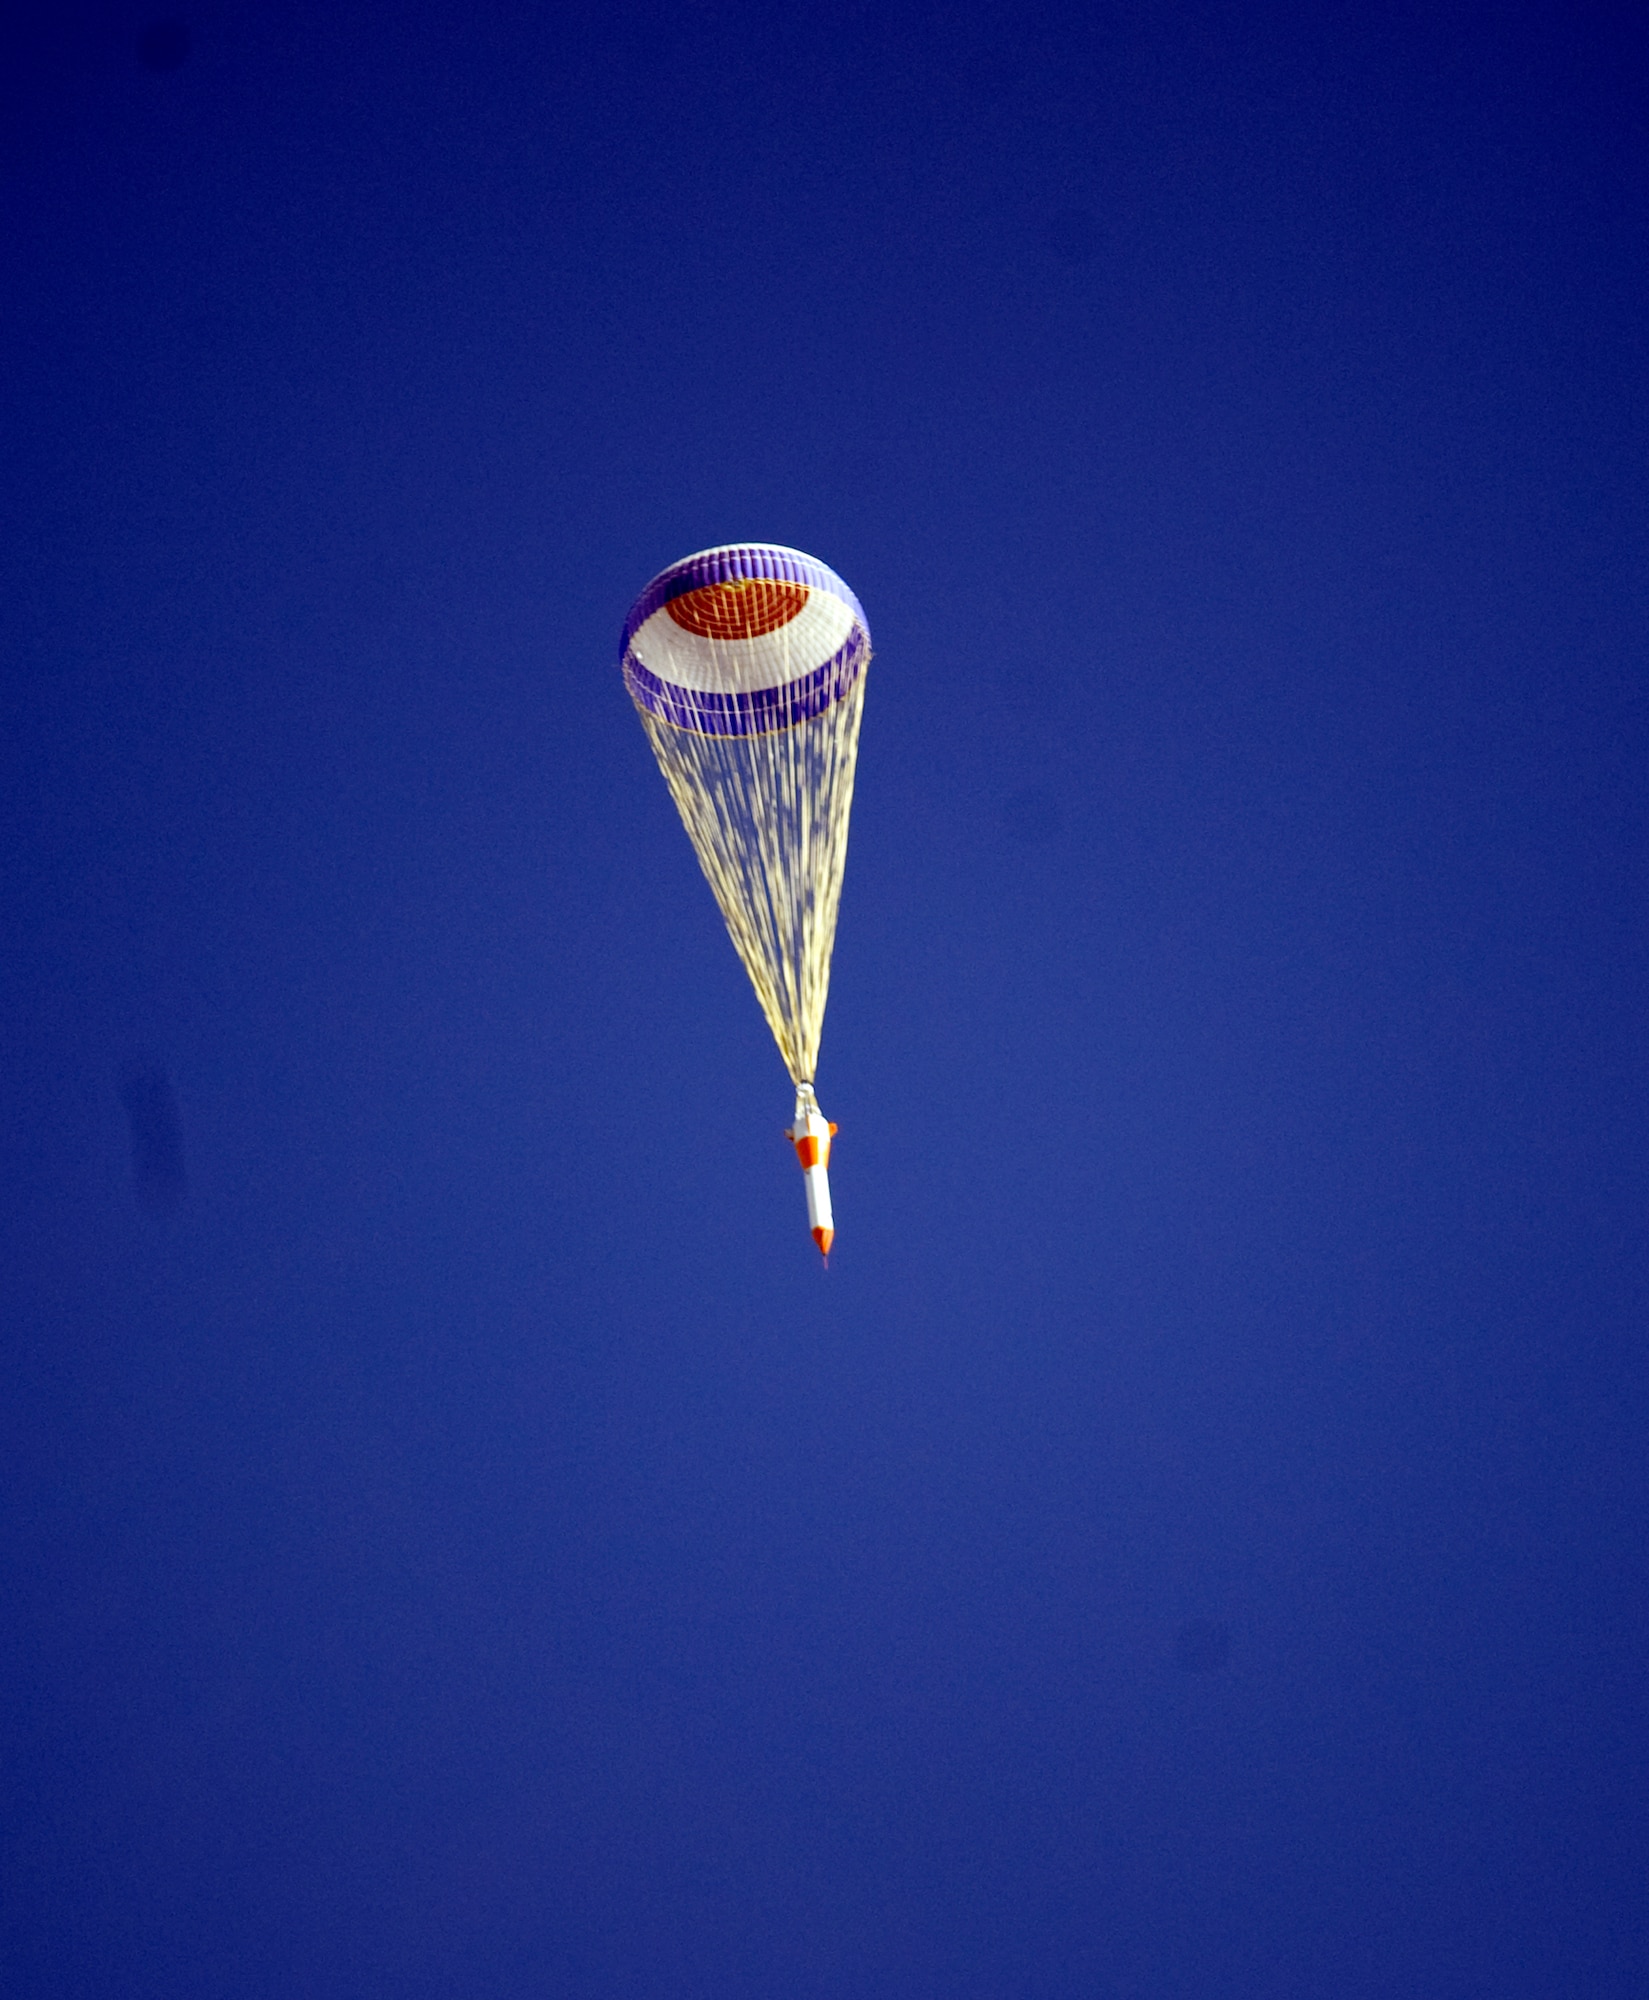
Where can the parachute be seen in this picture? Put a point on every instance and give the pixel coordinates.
(747, 667)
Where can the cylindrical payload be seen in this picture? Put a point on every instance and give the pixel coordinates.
(746, 664)
(811, 1135)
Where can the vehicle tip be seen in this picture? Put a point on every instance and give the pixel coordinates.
(824, 1238)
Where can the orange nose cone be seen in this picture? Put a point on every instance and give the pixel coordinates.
(824, 1238)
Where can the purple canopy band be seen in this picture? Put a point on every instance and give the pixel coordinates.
(755, 713)
(738, 563)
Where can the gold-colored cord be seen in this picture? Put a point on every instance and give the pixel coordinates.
(767, 816)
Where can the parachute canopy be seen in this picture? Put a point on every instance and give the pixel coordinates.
(747, 667)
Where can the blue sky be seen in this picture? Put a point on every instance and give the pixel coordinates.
(456, 1540)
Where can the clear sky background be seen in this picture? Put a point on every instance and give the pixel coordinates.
(455, 1540)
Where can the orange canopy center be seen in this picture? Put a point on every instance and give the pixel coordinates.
(743, 610)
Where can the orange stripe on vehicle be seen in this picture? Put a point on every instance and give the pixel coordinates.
(807, 1151)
